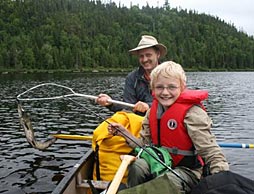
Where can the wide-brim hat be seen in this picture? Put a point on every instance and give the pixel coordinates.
(147, 42)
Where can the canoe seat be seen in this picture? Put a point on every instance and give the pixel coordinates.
(96, 184)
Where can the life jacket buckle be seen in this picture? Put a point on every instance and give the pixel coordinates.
(174, 150)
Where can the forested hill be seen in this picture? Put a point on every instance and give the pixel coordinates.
(83, 34)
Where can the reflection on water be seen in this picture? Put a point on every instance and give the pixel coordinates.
(32, 171)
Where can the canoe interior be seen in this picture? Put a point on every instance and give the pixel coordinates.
(81, 170)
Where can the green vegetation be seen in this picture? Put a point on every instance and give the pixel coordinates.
(81, 35)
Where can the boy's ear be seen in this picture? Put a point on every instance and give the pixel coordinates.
(183, 86)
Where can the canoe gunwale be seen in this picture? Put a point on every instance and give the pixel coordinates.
(61, 187)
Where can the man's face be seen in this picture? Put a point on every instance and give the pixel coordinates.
(148, 58)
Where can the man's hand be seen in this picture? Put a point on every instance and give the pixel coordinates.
(141, 107)
(103, 100)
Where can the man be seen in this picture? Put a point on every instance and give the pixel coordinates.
(137, 90)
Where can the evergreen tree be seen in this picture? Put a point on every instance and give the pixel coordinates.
(81, 34)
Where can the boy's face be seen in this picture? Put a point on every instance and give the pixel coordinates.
(148, 58)
(167, 90)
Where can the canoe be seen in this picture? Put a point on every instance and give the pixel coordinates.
(76, 181)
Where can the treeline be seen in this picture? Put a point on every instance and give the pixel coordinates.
(84, 34)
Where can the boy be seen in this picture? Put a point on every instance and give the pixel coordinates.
(177, 121)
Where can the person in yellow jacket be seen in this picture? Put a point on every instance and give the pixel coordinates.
(108, 148)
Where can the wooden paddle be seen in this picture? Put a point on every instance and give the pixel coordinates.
(126, 160)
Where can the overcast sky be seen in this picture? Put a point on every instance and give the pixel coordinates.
(237, 12)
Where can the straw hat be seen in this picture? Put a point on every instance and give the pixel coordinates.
(149, 41)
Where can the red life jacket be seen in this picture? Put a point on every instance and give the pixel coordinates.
(169, 131)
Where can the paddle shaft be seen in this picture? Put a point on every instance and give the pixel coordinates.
(90, 137)
(73, 137)
(126, 160)
(236, 145)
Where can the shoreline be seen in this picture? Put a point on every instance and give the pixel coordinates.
(120, 71)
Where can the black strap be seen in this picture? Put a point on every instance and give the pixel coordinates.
(94, 191)
(206, 169)
(159, 132)
(96, 157)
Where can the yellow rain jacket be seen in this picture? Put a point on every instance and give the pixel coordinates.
(108, 148)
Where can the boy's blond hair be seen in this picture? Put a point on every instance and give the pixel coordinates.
(169, 69)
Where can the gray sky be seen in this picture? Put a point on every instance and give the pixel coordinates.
(237, 12)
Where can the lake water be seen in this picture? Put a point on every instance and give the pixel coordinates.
(27, 170)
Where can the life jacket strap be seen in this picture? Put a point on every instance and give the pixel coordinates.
(177, 151)
(97, 162)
